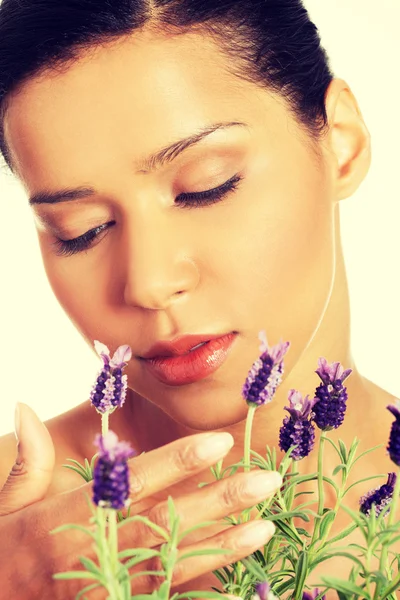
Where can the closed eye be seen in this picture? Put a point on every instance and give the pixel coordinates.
(185, 200)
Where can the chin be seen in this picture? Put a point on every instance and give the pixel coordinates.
(209, 418)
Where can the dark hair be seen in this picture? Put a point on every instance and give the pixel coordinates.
(269, 42)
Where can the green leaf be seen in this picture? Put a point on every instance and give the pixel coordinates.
(194, 528)
(147, 522)
(302, 531)
(343, 534)
(199, 594)
(394, 585)
(345, 587)
(343, 451)
(91, 566)
(353, 449)
(297, 479)
(362, 481)
(75, 575)
(67, 527)
(326, 522)
(285, 586)
(332, 443)
(331, 482)
(138, 559)
(75, 462)
(301, 570)
(367, 452)
(340, 467)
(288, 515)
(142, 553)
(79, 470)
(254, 568)
(319, 559)
(92, 586)
(205, 552)
(221, 576)
(304, 494)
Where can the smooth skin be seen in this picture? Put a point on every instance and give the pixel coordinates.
(267, 256)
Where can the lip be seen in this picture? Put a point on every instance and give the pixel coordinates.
(178, 346)
(179, 366)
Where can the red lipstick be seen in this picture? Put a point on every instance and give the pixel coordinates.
(177, 363)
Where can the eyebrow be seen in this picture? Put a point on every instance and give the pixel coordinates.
(151, 163)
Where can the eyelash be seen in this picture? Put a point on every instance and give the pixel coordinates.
(188, 200)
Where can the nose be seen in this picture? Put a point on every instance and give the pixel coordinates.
(158, 267)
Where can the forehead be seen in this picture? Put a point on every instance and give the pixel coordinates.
(123, 99)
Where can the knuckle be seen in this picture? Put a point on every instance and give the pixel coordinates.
(186, 459)
(137, 479)
(235, 492)
(159, 515)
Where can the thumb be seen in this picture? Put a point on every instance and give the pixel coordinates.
(30, 477)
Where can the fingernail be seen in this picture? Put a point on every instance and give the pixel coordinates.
(262, 483)
(214, 446)
(17, 420)
(256, 533)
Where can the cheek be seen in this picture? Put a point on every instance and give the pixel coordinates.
(79, 286)
(279, 269)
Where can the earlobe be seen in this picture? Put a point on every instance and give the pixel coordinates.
(349, 139)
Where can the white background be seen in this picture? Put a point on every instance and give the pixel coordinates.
(45, 363)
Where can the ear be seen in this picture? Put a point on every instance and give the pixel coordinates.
(349, 142)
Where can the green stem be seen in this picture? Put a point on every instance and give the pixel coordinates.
(293, 472)
(247, 436)
(113, 540)
(336, 507)
(104, 423)
(108, 552)
(321, 496)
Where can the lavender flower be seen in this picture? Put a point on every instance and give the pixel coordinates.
(331, 395)
(111, 473)
(109, 391)
(312, 595)
(380, 496)
(263, 592)
(266, 373)
(298, 428)
(394, 439)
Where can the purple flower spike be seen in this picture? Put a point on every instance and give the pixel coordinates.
(263, 592)
(331, 395)
(298, 428)
(111, 473)
(312, 595)
(266, 373)
(380, 496)
(394, 439)
(109, 391)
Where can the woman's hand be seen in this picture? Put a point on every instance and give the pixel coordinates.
(30, 555)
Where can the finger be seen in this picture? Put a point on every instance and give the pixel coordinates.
(157, 470)
(239, 541)
(31, 475)
(213, 502)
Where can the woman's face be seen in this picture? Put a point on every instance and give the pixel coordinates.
(260, 257)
